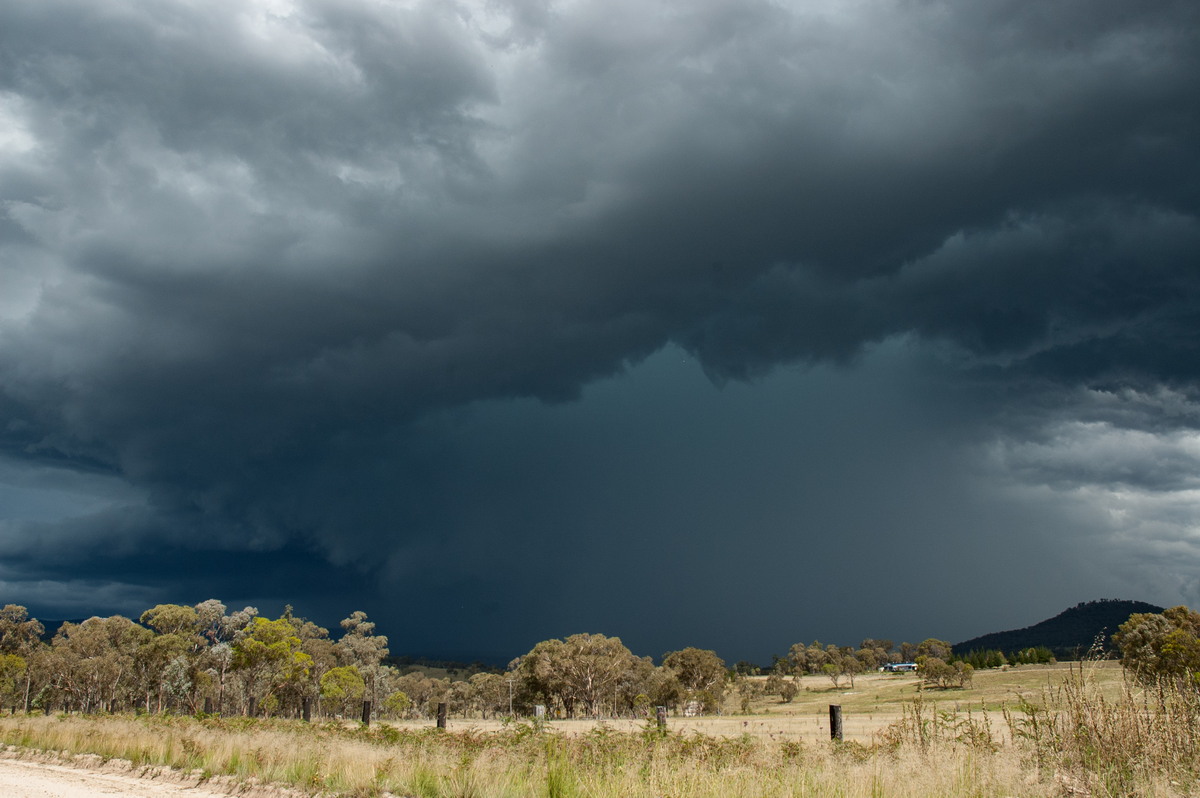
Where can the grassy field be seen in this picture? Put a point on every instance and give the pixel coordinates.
(1025, 732)
(874, 703)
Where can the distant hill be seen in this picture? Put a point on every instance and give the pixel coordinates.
(1069, 634)
(52, 627)
(440, 668)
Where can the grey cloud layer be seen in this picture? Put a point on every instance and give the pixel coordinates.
(250, 246)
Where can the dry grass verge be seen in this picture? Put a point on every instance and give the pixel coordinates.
(1077, 737)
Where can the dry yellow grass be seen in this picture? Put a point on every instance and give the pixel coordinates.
(532, 763)
(875, 702)
(1077, 734)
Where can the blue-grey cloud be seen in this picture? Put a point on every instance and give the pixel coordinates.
(265, 262)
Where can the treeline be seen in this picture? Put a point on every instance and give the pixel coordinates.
(995, 658)
(207, 659)
(204, 658)
(934, 658)
(194, 659)
(1152, 646)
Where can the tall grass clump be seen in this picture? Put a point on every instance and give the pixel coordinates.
(1142, 738)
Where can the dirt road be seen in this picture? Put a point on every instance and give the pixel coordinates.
(25, 779)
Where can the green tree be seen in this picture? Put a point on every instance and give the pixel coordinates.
(808, 659)
(938, 673)
(365, 650)
(635, 681)
(154, 655)
(837, 664)
(21, 636)
(209, 614)
(1166, 644)
(697, 669)
(342, 688)
(94, 663)
(701, 673)
(932, 647)
(592, 667)
(491, 693)
(268, 658)
(664, 689)
(397, 704)
(12, 680)
(423, 692)
(172, 619)
(583, 670)
(748, 691)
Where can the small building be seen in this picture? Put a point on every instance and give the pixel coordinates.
(899, 667)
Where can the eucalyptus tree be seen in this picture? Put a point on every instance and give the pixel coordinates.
(19, 634)
(808, 658)
(702, 674)
(594, 666)
(94, 663)
(21, 637)
(1155, 645)
(173, 619)
(423, 692)
(781, 685)
(542, 678)
(748, 690)
(932, 647)
(877, 650)
(462, 697)
(268, 660)
(365, 650)
(936, 672)
(632, 693)
(321, 657)
(171, 663)
(154, 654)
(490, 693)
(219, 658)
(583, 669)
(341, 689)
(234, 625)
(13, 670)
(664, 689)
(210, 614)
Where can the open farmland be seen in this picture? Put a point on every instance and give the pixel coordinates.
(876, 701)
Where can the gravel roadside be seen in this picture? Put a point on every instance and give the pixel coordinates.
(37, 776)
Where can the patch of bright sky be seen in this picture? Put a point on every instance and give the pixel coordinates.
(15, 138)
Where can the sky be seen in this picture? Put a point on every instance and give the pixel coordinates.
(711, 323)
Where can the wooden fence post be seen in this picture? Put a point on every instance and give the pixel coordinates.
(441, 718)
(306, 709)
(366, 716)
(835, 722)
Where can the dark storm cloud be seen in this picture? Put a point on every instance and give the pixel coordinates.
(265, 262)
(1079, 293)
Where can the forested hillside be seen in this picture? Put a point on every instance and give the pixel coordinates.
(1070, 634)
